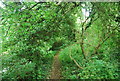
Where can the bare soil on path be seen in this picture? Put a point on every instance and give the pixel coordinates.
(56, 70)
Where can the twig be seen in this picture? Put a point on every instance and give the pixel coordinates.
(35, 5)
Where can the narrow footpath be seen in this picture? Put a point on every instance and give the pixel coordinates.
(56, 71)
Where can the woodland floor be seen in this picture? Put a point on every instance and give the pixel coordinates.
(56, 69)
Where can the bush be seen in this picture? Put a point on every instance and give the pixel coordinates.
(99, 69)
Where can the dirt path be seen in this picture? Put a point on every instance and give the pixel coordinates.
(55, 73)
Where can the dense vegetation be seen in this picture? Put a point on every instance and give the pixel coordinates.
(86, 34)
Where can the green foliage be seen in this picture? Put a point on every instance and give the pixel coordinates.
(30, 30)
(70, 70)
(99, 69)
(95, 68)
(75, 51)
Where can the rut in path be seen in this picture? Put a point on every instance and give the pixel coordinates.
(55, 73)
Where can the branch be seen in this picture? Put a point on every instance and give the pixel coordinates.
(75, 61)
(89, 24)
(72, 8)
(100, 44)
(71, 56)
(87, 19)
(82, 35)
(88, 44)
(35, 5)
